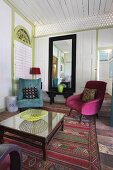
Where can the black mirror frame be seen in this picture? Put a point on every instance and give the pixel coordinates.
(73, 79)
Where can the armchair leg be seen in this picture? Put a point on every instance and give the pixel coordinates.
(70, 112)
(80, 117)
(15, 161)
(97, 115)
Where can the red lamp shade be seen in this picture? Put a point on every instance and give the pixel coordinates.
(35, 70)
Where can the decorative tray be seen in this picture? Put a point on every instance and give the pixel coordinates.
(33, 114)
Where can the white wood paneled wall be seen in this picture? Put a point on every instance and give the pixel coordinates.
(42, 59)
(85, 59)
(5, 53)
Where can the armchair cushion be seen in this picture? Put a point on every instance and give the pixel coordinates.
(30, 93)
(88, 94)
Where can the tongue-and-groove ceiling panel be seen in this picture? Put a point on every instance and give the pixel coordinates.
(54, 16)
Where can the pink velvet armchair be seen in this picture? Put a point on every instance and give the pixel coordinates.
(91, 107)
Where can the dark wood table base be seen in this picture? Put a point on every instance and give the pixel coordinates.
(52, 94)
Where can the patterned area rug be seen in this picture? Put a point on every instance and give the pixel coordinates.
(74, 148)
(76, 145)
(62, 108)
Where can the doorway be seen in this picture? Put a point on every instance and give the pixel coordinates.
(105, 70)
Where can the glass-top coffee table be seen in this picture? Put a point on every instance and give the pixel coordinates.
(35, 131)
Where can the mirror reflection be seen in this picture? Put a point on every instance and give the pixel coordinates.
(62, 63)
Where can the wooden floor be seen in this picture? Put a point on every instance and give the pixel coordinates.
(105, 142)
(104, 133)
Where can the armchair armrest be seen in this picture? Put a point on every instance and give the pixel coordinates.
(15, 155)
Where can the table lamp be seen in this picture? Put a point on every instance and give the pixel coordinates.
(35, 71)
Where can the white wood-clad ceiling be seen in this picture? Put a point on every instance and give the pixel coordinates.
(54, 16)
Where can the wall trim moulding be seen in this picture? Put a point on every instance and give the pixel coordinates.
(70, 26)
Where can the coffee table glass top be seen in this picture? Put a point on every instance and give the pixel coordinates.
(41, 126)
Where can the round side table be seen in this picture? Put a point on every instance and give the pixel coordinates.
(11, 103)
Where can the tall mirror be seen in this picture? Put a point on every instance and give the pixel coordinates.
(62, 62)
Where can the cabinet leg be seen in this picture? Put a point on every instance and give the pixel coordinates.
(51, 100)
(1, 136)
